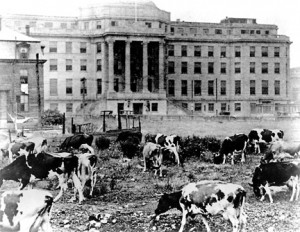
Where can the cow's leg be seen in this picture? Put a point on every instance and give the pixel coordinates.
(205, 222)
(243, 157)
(144, 170)
(268, 192)
(46, 226)
(243, 222)
(93, 181)
(294, 183)
(297, 188)
(224, 159)
(184, 214)
(79, 187)
(231, 215)
(232, 157)
(257, 148)
(62, 183)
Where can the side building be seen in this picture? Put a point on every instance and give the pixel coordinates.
(131, 56)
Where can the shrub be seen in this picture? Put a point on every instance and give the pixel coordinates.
(102, 143)
(52, 117)
(130, 147)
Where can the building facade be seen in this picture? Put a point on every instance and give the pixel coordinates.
(18, 75)
(131, 56)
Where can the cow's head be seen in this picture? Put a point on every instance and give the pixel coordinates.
(164, 204)
(156, 157)
(257, 186)
(23, 152)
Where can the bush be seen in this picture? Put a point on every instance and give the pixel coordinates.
(130, 147)
(102, 142)
(52, 117)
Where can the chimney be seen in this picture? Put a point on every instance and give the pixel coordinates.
(27, 30)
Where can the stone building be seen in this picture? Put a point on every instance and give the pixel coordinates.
(18, 75)
(131, 56)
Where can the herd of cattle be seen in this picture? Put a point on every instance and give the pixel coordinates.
(75, 158)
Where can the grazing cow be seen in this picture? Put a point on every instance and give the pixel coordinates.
(27, 210)
(168, 201)
(263, 136)
(125, 135)
(14, 148)
(75, 141)
(230, 146)
(171, 143)
(275, 174)
(153, 152)
(214, 198)
(28, 167)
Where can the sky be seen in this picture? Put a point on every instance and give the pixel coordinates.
(284, 14)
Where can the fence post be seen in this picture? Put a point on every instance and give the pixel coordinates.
(64, 124)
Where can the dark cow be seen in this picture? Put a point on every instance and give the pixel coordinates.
(263, 136)
(214, 198)
(27, 210)
(230, 146)
(41, 166)
(153, 152)
(125, 135)
(171, 143)
(74, 141)
(14, 148)
(275, 174)
(168, 201)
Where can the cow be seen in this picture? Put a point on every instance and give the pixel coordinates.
(263, 136)
(275, 174)
(75, 141)
(230, 146)
(28, 167)
(153, 152)
(125, 135)
(292, 148)
(14, 148)
(27, 210)
(171, 143)
(212, 197)
(168, 201)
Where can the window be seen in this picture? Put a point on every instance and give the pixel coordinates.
(210, 67)
(197, 68)
(83, 88)
(24, 81)
(82, 47)
(252, 87)
(277, 68)
(171, 87)
(252, 51)
(63, 25)
(183, 87)
(116, 84)
(172, 30)
(237, 107)
(277, 87)
(69, 86)
(206, 31)
(223, 68)
(149, 25)
(52, 46)
(48, 24)
(237, 51)
(53, 106)
(53, 65)
(252, 67)
(197, 88)
(237, 87)
(98, 47)
(184, 69)
(24, 103)
(83, 64)
(184, 105)
(267, 32)
(210, 51)
(170, 50)
(68, 65)
(223, 107)
(258, 32)
(244, 32)
(99, 86)
(99, 66)
(193, 30)
(237, 67)
(264, 68)
(211, 107)
(69, 107)
(53, 87)
(183, 50)
(223, 52)
(264, 87)
(86, 25)
(218, 31)
(197, 51)
(276, 52)
(98, 25)
(68, 47)
(264, 51)
(210, 88)
(223, 87)
(171, 67)
(114, 23)
(180, 30)
(198, 106)
(154, 107)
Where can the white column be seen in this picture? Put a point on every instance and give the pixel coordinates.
(127, 66)
(104, 68)
(110, 66)
(161, 67)
(145, 67)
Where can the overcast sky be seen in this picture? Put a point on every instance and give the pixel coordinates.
(284, 14)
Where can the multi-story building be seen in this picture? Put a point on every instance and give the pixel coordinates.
(21, 75)
(130, 55)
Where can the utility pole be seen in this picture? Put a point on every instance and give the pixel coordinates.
(38, 90)
(83, 80)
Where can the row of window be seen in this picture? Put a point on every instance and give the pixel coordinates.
(197, 87)
(223, 68)
(197, 51)
(198, 107)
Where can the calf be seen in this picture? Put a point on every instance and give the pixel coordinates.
(153, 152)
(75, 141)
(214, 198)
(232, 145)
(27, 210)
(275, 174)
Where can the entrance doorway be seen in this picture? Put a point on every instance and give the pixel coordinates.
(137, 108)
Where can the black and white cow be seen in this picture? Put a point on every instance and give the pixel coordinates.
(230, 147)
(28, 167)
(152, 154)
(14, 148)
(74, 141)
(275, 174)
(210, 197)
(171, 143)
(292, 148)
(26, 210)
(263, 136)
